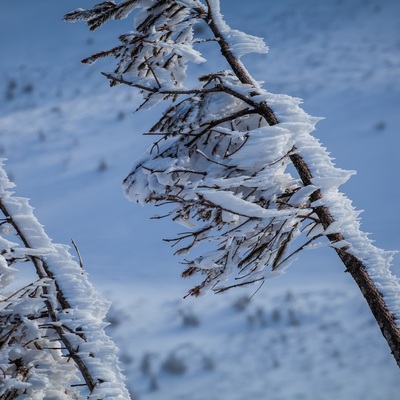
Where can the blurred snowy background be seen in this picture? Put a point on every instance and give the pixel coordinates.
(70, 140)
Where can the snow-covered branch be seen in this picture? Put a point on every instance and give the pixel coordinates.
(52, 340)
(222, 160)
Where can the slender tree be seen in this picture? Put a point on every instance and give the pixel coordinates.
(52, 340)
(224, 151)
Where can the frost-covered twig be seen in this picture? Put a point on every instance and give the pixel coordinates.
(52, 330)
(223, 156)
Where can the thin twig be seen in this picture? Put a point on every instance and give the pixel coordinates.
(78, 253)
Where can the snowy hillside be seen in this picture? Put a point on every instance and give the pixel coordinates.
(70, 140)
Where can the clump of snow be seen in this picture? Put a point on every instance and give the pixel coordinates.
(240, 43)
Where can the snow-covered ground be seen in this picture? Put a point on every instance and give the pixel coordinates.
(70, 140)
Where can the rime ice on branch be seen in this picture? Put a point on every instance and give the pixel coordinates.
(222, 156)
(217, 159)
(52, 340)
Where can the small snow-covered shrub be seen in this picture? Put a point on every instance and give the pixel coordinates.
(241, 303)
(189, 319)
(174, 365)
